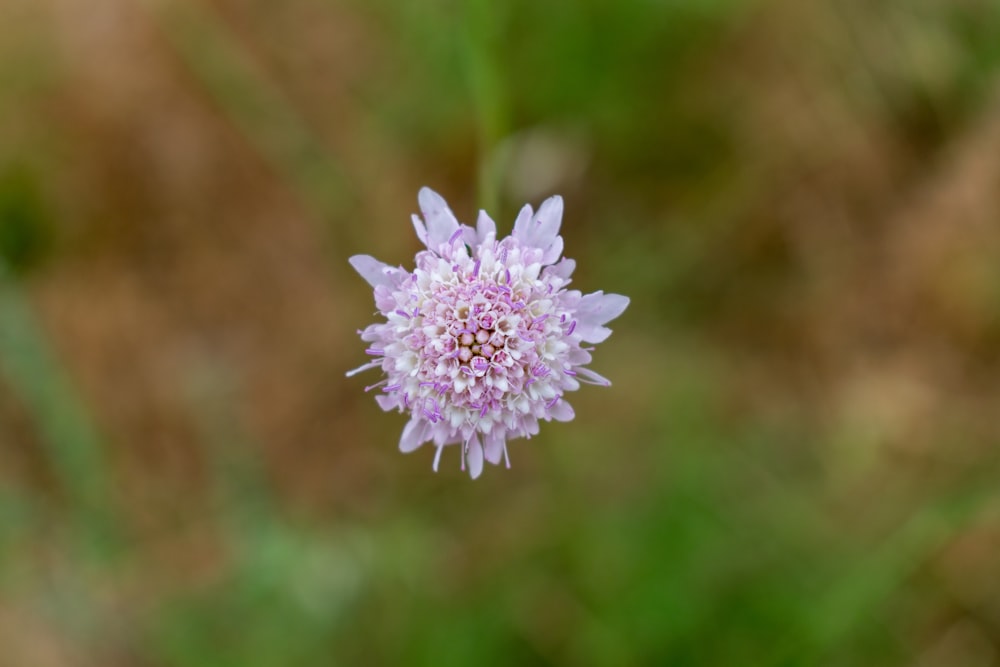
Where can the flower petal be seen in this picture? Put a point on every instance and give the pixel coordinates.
(553, 252)
(541, 230)
(420, 228)
(375, 272)
(563, 269)
(485, 227)
(522, 224)
(413, 436)
(493, 447)
(562, 411)
(596, 309)
(600, 308)
(547, 222)
(593, 378)
(475, 458)
(441, 222)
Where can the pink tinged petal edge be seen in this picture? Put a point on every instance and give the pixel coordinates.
(414, 435)
(375, 272)
(475, 458)
(441, 222)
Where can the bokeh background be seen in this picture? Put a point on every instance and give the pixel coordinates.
(799, 460)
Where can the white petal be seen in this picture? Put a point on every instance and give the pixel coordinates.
(475, 458)
(484, 227)
(413, 436)
(375, 272)
(441, 222)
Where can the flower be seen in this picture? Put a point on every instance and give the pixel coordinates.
(482, 339)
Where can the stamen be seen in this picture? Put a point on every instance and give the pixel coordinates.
(475, 270)
(455, 236)
(362, 368)
(402, 312)
(572, 326)
(377, 384)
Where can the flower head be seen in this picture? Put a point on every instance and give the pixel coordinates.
(482, 339)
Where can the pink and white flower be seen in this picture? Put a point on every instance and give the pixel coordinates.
(482, 339)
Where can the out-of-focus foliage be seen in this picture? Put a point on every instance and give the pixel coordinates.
(797, 463)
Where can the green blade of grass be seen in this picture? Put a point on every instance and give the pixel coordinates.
(256, 107)
(73, 443)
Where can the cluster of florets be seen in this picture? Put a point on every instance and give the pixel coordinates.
(482, 340)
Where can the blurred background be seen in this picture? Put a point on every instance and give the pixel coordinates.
(797, 464)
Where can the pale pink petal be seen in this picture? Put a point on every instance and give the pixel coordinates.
(596, 309)
(592, 333)
(485, 227)
(594, 378)
(522, 224)
(553, 251)
(562, 411)
(420, 227)
(475, 458)
(375, 272)
(541, 230)
(387, 402)
(600, 308)
(547, 221)
(563, 269)
(441, 222)
(493, 447)
(413, 435)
